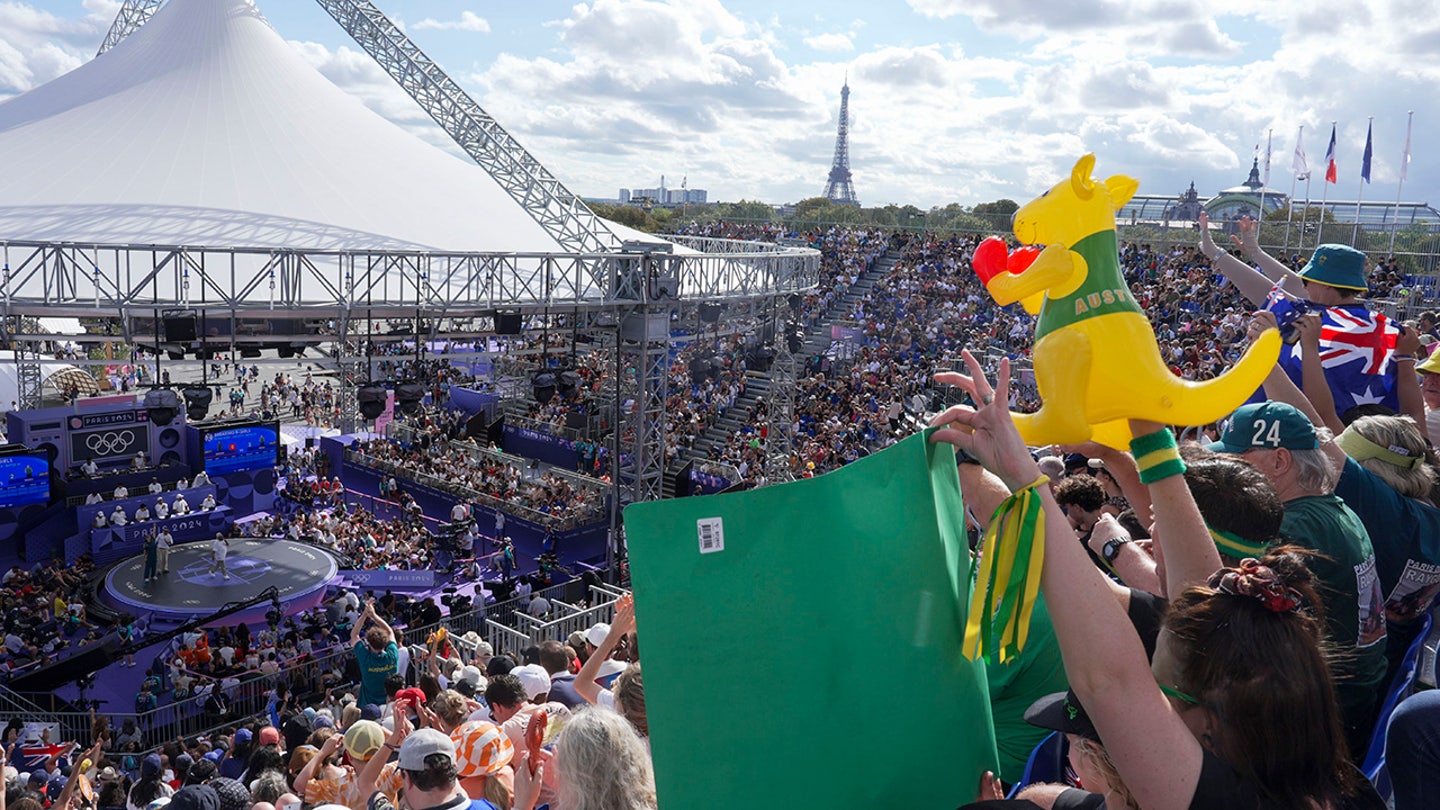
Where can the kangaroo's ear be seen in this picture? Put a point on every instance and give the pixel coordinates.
(1121, 188)
(1080, 177)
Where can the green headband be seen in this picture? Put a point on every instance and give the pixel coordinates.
(1234, 545)
(1358, 447)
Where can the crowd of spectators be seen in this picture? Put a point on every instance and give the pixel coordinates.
(501, 482)
(354, 717)
(43, 613)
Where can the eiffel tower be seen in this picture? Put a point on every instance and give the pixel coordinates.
(838, 188)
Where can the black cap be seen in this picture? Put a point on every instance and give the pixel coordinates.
(1061, 711)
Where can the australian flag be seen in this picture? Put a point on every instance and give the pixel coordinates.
(1357, 351)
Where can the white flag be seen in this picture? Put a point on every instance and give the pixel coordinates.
(1301, 165)
(1405, 161)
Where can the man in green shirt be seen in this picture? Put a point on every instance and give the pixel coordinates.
(378, 655)
(1282, 443)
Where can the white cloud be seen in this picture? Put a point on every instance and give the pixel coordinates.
(612, 93)
(37, 45)
(469, 21)
(830, 42)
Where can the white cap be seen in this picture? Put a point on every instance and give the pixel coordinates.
(596, 635)
(534, 678)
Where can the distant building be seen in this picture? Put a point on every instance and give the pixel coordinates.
(1246, 199)
(665, 196)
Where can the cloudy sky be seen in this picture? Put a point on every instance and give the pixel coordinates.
(951, 100)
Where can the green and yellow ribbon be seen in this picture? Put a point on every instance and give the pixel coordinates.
(1004, 593)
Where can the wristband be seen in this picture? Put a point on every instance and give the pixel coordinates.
(1402, 357)
(1156, 457)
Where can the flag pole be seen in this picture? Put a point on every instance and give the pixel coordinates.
(1264, 183)
(1404, 168)
(1294, 178)
(1365, 178)
(1305, 214)
(1325, 190)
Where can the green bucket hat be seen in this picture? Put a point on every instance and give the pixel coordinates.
(1336, 266)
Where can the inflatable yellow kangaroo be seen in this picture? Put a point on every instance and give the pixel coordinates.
(1096, 361)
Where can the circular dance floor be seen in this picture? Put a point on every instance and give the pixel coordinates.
(192, 588)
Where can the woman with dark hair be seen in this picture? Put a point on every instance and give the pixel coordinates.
(1238, 709)
(150, 786)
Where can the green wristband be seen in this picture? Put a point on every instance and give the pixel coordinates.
(1164, 468)
(1144, 445)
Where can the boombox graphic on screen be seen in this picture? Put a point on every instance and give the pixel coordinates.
(109, 443)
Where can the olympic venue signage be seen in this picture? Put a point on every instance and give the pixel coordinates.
(109, 443)
(91, 420)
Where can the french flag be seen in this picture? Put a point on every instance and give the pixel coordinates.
(1332, 173)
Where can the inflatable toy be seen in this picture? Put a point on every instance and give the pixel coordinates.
(1096, 361)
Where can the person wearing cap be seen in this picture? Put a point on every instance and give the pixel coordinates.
(606, 639)
(1104, 789)
(1430, 393)
(1332, 278)
(150, 786)
(428, 772)
(232, 794)
(195, 797)
(1387, 479)
(1281, 441)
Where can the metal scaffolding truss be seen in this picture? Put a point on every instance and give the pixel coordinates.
(56, 279)
(133, 14)
(643, 383)
(780, 438)
(640, 284)
(530, 184)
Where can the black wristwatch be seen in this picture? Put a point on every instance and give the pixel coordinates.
(1111, 549)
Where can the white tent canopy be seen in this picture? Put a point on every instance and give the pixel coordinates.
(205, 127)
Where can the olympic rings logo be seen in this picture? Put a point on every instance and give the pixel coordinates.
(110, 443)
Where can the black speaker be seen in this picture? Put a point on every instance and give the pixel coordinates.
(570, 382)
(710, 313)
(408, 396)
(179, 328)
(794, 337)
(761, 358)
(508, 323)
(162, 405)
(197, 401)
(92, 658)
(371, 399)
(544, 384)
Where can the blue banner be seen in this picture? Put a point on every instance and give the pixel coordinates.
(707, 483)
(537, 444)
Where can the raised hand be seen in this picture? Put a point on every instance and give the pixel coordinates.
(986, 432)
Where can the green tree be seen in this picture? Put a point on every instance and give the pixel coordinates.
(631, 216)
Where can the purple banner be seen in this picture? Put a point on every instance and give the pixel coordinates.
(392, 580)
